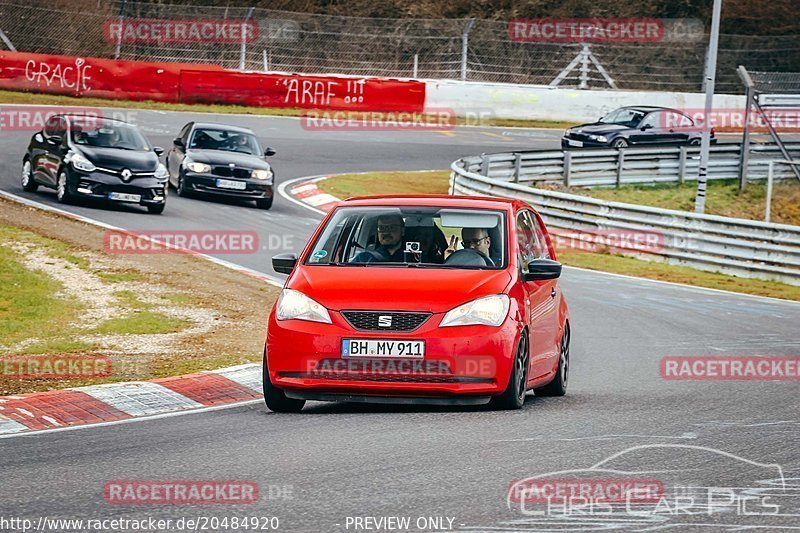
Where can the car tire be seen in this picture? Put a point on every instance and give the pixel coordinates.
(28, 183)
(181, 188)
(619, 143)
(558, 387)
(156, 209)
(275, 399)
(514, 395)
(264, 203)
(62, 188)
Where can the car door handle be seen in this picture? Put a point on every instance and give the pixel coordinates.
(553, 293)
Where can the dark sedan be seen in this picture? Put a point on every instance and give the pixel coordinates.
(636, 126)
(221, 160)
(95, 158)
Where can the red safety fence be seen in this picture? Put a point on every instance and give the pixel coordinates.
(191, 83)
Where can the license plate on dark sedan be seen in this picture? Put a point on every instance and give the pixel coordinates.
(231, 184)
(124, 197)
(383, 348)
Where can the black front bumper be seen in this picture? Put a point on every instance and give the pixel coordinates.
(208, 184)
(99, 186)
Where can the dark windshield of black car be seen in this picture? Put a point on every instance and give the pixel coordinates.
(228, 141)
(107, 134)
(624, 117)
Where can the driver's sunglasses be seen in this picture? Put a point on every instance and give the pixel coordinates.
(387, 228)
(475, 242)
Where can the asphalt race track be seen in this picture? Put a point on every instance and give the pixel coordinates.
(343, 460)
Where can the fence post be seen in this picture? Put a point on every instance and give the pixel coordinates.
(118, 47)
(620, 163)
(464, 46)
(484, 166)
(415, 73)
(770, 176)
(682, 166)
(517, 166)
(567, 168)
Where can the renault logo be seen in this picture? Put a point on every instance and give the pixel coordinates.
(385, 321)
(126, 174)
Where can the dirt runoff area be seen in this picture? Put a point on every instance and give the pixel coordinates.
(64, 298)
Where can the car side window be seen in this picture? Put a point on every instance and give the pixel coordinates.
(543, 251)
(50, 126)
(184, 134)
(651, 120)
(526, 240)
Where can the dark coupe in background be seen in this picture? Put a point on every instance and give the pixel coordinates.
(635, 126)
(95, 158)
(221, 160)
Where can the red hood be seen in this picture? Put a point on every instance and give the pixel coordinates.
(396, 289)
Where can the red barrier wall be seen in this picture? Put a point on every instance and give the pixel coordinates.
(181, 82)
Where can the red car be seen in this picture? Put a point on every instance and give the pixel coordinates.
(420, 299)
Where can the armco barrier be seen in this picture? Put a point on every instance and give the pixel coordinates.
(180, 82)
(588, 168)
(733, 246)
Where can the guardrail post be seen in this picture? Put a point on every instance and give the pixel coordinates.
(620, 163)
(517, 166)
(770, 177)
(682, 166)
(485, 166)
(567, 168)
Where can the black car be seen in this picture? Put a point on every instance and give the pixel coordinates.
(635, 126)
(91, 157)
(221, 160)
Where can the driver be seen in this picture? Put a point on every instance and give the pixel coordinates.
(474, 239)
(391, 230)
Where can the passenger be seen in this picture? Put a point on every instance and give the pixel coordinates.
(476, 239)
(391, 230)
(432, 243)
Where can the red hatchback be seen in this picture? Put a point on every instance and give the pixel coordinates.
(420, 299)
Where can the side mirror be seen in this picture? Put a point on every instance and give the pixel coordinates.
(268, 151)
(285, 263)
(158, 150)
(541, 269)
(177, 141)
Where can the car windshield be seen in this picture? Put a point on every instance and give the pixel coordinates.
(102, 133)
(228, 141)
(623, 116)
(432, 237)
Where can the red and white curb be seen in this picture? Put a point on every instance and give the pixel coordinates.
(308, 193)
(121, 401)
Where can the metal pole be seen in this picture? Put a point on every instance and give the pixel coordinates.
(705, 145)
(464, 43)
(770, 175)
(118, 48)
(264, 59)
(744, 157)
(7, 41)
(584, 67)
(244, 38)
(416, 65)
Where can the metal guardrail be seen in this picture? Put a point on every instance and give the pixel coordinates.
(590, 168)
(732, 246)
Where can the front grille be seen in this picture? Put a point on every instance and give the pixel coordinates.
(578, 136)
(385, 320)
(227, 172)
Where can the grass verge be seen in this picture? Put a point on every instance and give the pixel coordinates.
(436, 182)
(16, 97)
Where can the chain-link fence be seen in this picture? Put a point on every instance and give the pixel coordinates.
(423, 48)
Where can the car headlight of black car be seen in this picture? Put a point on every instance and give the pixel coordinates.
(81, 163)
(599, 138)
(262, 174)
(161, 172)
(194, 166)
(567, 132)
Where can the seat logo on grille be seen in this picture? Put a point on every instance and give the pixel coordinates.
(384, 321)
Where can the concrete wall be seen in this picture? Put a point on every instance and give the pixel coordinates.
(545, 103)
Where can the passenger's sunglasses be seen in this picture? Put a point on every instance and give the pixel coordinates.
(474, 242)
(386, 228)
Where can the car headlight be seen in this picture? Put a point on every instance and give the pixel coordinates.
(566, 133)
(295, 304)
(261, 174)
(79, 162)
(488, 311)
(161, 172)
(194, 166)
(599, 138)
